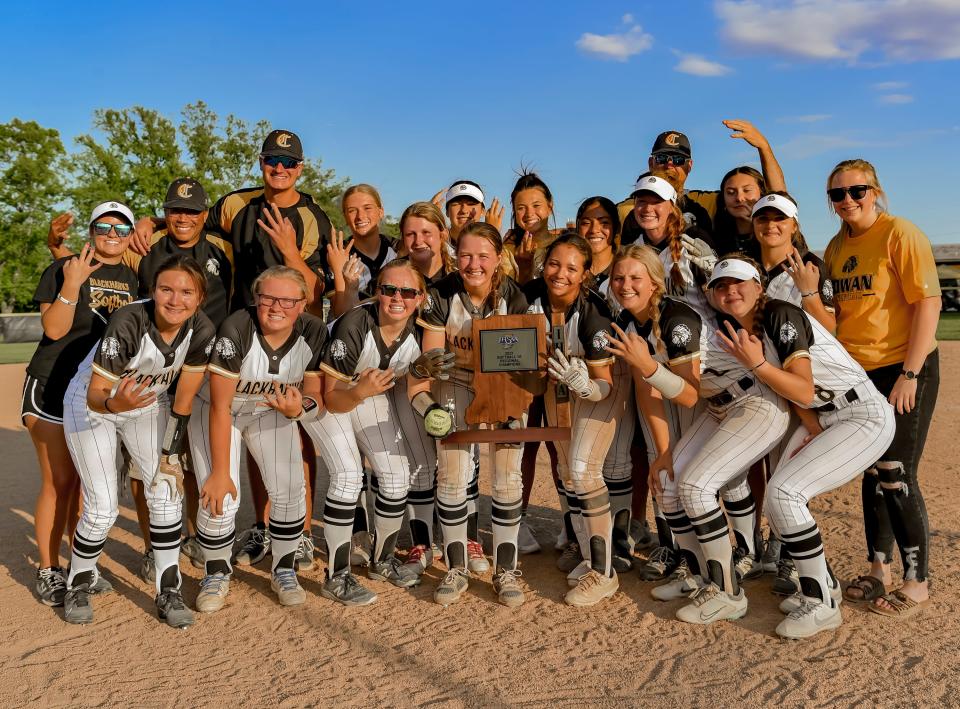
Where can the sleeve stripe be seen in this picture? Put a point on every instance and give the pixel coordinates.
(799, 354)
(194, 368)
(223, 372)
(105, 373)
(684, 358)
(599, 362)
(434, 328)
(327, 369)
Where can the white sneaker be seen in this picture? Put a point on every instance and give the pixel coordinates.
(792, 603)
(213, 592)
(360, 548)
(289, 591)
(710, 604)
(592, 588)
(526, 542)
(476, 560)
(809, 619)
(681, 584)
(573, 578)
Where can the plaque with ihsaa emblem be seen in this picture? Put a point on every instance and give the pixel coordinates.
(508, 350)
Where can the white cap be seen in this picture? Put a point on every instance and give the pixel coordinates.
(778, 202)
(464, 189)
(107, 207)
(658, 186)
(734, 268)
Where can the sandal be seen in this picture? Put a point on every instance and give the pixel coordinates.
(901, 605)
(869, 587)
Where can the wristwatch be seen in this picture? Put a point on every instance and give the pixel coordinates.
(907, 374)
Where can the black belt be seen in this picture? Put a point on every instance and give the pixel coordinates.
(850, 396)
(725, 397)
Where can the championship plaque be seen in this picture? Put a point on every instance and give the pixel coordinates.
(509, 370)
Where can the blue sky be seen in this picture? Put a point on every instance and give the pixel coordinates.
(411, 96)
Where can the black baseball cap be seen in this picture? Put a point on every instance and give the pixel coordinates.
(282, 143)
(672, 142)
(186, 193)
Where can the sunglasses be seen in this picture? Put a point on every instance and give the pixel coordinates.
(857, 192)
(406, 293)
(274, 160)
(103, 229)
(268, 301)
(675, 160)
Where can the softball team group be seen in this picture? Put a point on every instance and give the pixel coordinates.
(712, 360)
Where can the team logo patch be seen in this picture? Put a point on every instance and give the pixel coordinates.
(338, 349)
(283, 140)
(681, 335)
(428, 303)
(600, 340)
(110, 347)
(672, 139)
(850, 264)
(827, 289)
(788, 333)
(226, 348)
(209, 348)
(212, 266)
(184, 191)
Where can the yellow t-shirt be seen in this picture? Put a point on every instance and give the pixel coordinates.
(877, 279)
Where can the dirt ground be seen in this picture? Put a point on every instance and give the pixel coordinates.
(406, 651)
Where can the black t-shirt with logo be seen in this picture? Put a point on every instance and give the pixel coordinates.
(109, 288)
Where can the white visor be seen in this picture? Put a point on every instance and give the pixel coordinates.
(463, 189)
(734, 268)
(660, 187)
(778, 202)
(108, 207)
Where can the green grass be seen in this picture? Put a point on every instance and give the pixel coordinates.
(16, 352)
(949, 328)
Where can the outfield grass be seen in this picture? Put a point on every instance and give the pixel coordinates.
(16, 352)
(949, 328)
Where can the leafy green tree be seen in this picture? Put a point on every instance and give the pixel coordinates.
(31, 187)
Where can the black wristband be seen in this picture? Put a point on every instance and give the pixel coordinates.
(106, 404)
(175, 434)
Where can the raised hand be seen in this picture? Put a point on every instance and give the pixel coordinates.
(806, 276)
(494, 216)
(746, 347)
(77, 270)
(745, 130)
(279, 228)
(700, 253)
(338, 252)
(573, 372)
(142, 236)
(59, 229)
(632, 349)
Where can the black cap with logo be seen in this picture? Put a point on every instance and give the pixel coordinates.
(186, 193)
(282, 143)
(673, 142)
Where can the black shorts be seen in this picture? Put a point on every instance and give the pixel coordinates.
(46, 403)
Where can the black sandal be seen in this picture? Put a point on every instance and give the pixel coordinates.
(870, 588)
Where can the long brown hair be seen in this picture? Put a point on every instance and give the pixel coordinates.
(571, 238)
(431, 213)
(676, 226)
(799, 243)
(188, 265)
(488, 233)
(650, 260)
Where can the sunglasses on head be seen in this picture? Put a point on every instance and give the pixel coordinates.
(856, 192)
(406, 293)
(274, 160)
(103, 229)
(268, 301)
(675, 160)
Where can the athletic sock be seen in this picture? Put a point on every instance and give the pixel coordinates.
(165, 540)
(284, 540)
(505, 521)
(713, 533)
(806, 550)
(687, 543)
(338, 520)
(742, 514)
(388, 519)
(453, 521)
(420, 513)
(621, 504)
(598, 528)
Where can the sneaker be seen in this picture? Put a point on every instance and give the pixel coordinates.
(660, 564)
(579, 571)
(562, 540)
(809, 619)
(304, 556)
(437, 551)
(746, 566)
(592, 588)
(641, 536)
(771, 554)
(526, 542)
(476, 561)
(190, 548)
(419, 559)
(620, 563)
(787, 582)
(254, 545)
(102, 586)
(171, 608)
(452, 587)
(506, 585)
(393, 571)
(51, 586)
(710, 604)
(360, 549)
(148, 569)
(213, 592)
(681, 584)
(570, 558)
(346, 588)
(289, 591)
(792, 603)
(76, 605)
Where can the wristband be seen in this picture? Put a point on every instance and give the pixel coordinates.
(174, 434)
(807, 295)
(422, 403)
(666, 382)
(310, 411)
(106, 404)
(757, 366)
(68, 302)
(599, 390)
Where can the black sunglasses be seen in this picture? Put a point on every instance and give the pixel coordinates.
(406, 293)
(856, 192)
(274, 160)
(675, 160)
(268, 301)
(103, 229)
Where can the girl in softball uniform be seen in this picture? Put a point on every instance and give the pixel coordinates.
(264, 377)
(120, 390)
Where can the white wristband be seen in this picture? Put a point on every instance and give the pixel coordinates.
(666, 382)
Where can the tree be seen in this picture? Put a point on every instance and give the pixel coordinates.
(31, 187)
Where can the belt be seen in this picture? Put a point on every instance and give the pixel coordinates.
(725, 397)
(849, 396)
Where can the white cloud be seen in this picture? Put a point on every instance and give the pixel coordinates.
(843, 30)
(807, 118)
(896, 99)
(627, 19)
(890, 85)
(617, 46)
(699, 66)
